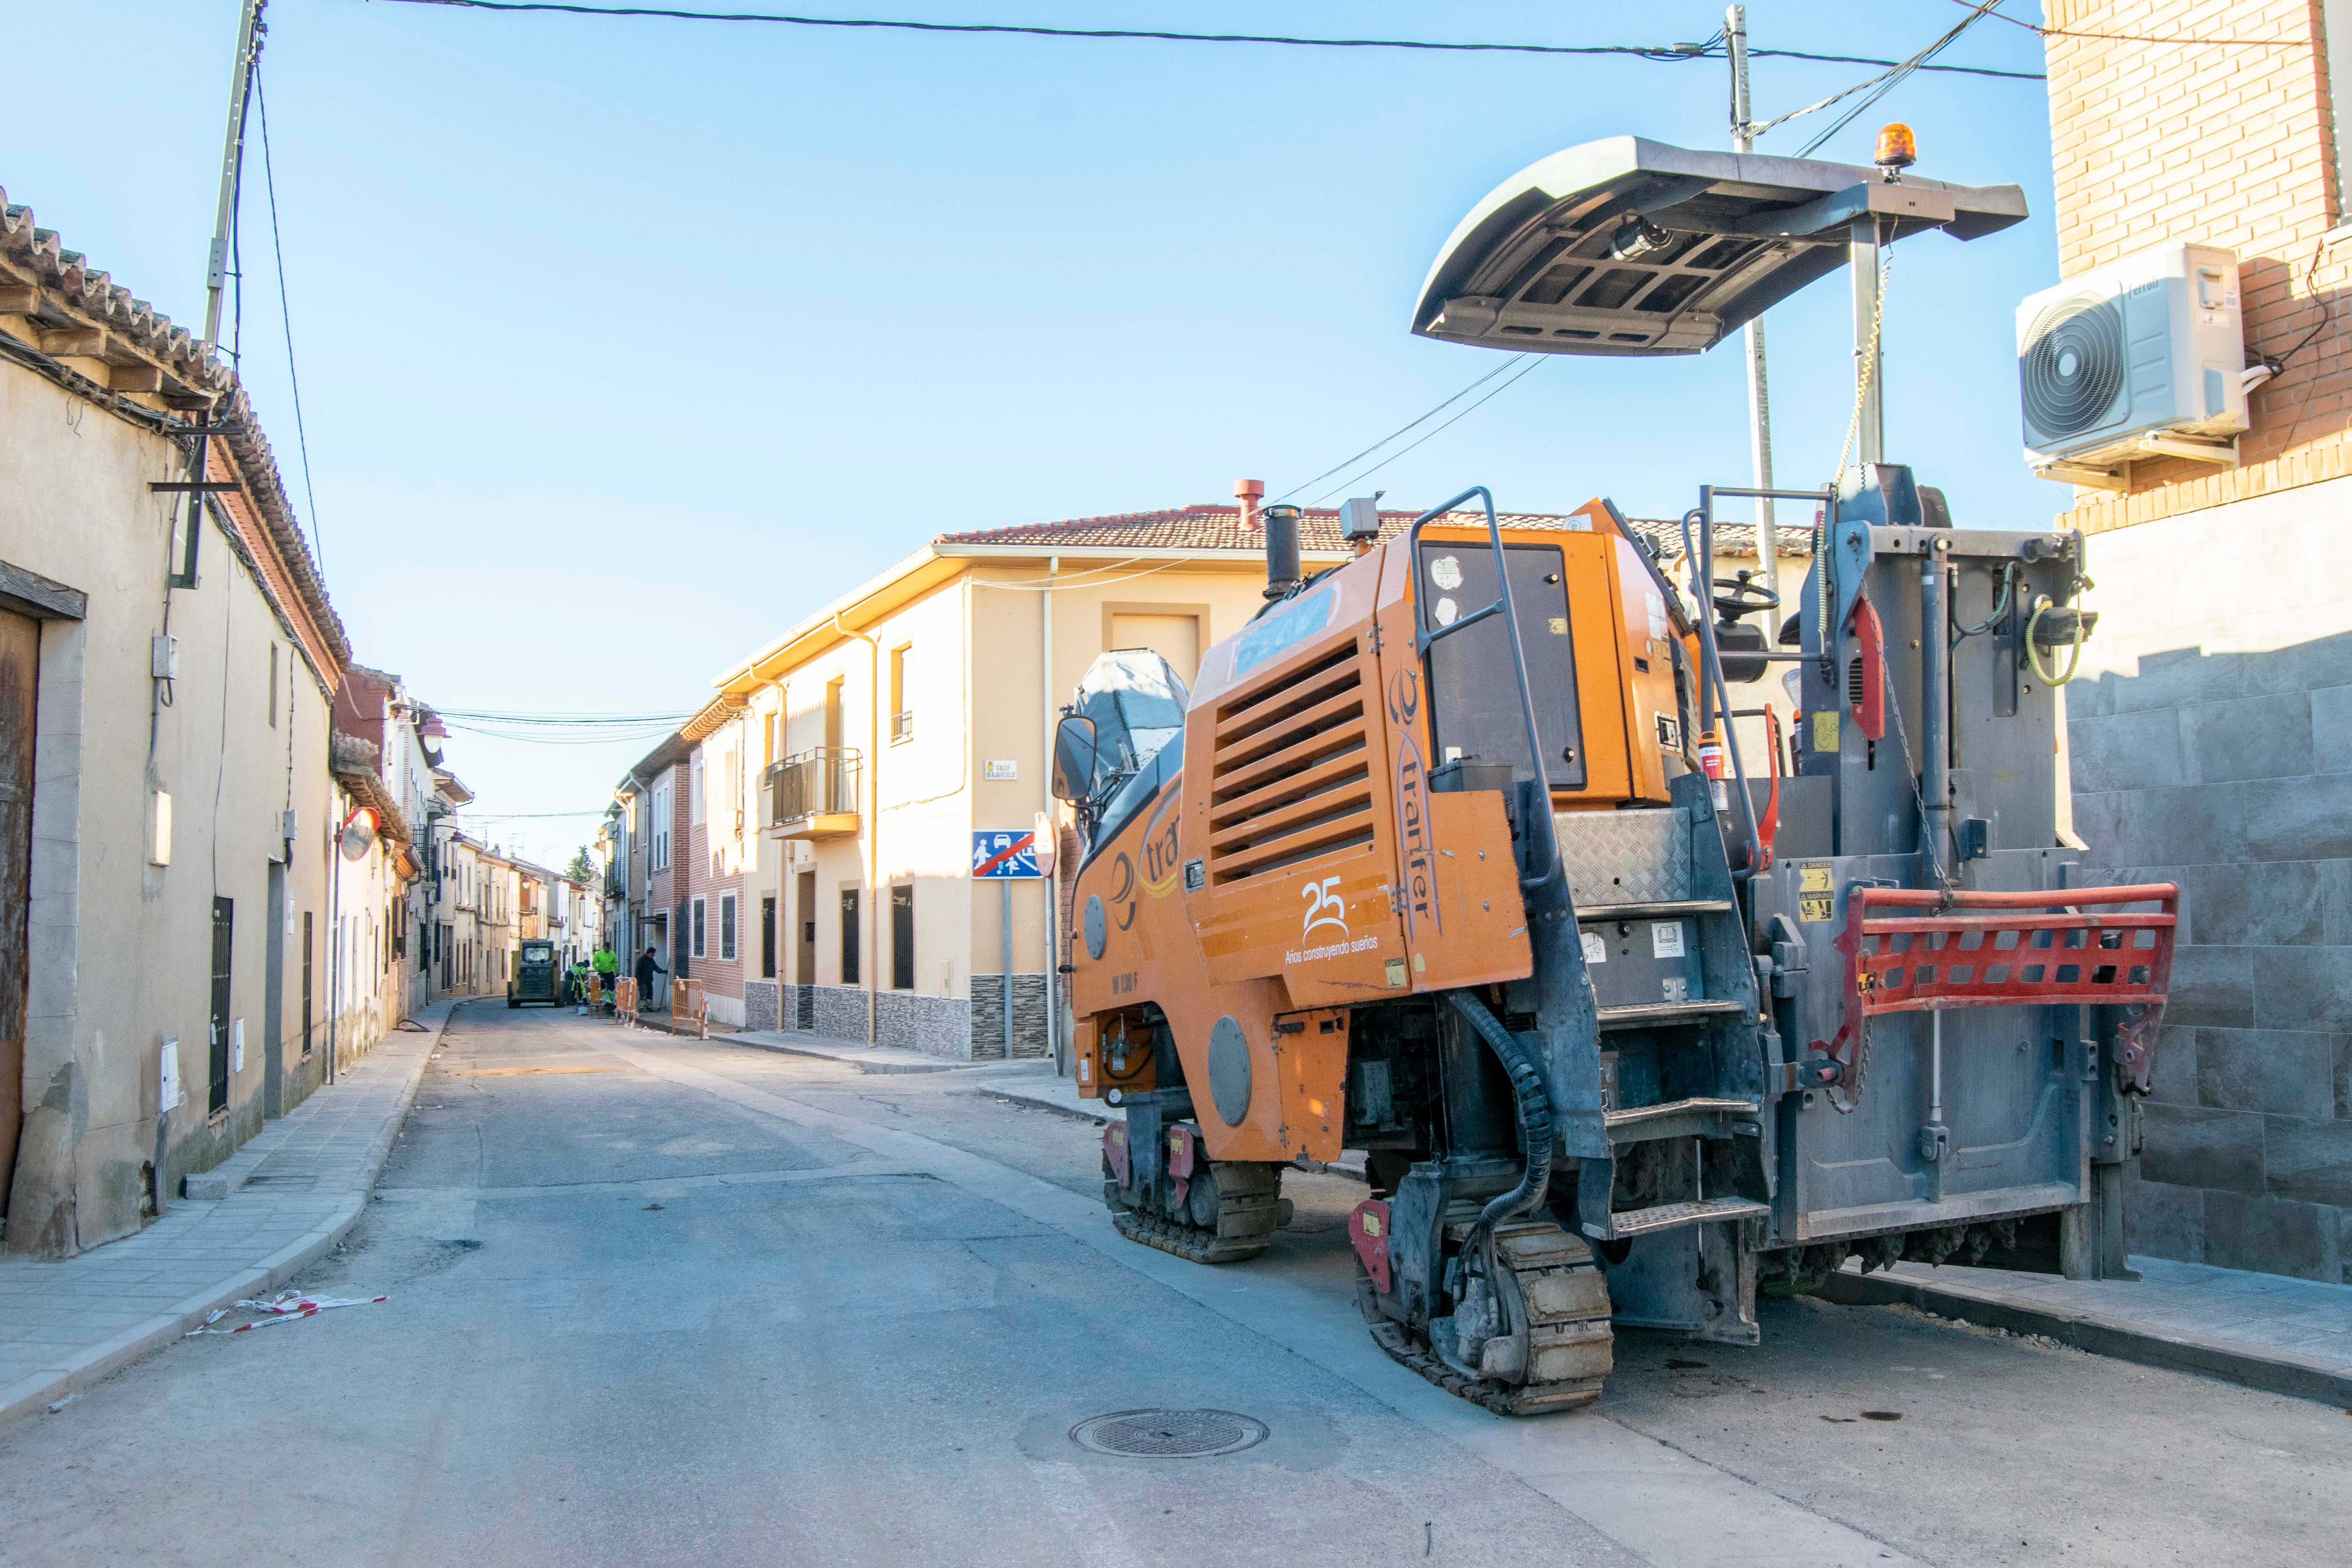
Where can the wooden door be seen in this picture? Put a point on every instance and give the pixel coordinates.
(20, 661)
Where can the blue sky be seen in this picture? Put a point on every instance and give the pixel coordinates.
(626, 343)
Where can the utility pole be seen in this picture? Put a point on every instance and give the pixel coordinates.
(250, 31)
(1759, 403)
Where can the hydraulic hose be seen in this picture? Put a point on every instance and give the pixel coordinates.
(2043, 605)
(1534, 1102)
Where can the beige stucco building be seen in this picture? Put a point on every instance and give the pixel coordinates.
(803, 845)
(167, 661)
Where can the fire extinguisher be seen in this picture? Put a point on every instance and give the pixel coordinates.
(1710, 762)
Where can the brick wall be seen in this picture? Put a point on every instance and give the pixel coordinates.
(2222, 144)
(2203, 741)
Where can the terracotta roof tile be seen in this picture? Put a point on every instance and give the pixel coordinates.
(95, 294)
(1209, 526)
(75, 295)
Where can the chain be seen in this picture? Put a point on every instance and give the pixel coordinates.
(1868, 371)
(1911, 772)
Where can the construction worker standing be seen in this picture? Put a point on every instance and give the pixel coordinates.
(607, 965)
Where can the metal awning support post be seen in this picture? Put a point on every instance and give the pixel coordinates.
(1759, 403)
(1862, 256)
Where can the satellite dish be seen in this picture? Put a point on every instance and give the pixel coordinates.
(359, 835)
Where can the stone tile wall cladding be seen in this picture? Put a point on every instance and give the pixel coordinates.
(2231, 775)
(907, 1019)
(760, 1005)
(910, 1019)
(987, 1036)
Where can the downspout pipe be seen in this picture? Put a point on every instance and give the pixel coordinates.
(873, 821)
(334, 925)
(1057, 1045)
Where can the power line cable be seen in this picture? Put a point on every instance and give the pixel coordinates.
(1866, 60)
(285, 319)
(1667, 53)
(1655, 52)
(2142, 38)
(563, 721)
(1893, 78)
(1368, 473)
(1408, 425)
(527, 816)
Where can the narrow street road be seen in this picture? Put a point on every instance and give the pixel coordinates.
(658, 1301)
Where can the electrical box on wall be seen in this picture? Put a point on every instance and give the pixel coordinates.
(2143, 357)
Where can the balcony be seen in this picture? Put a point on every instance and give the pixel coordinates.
(813, 794)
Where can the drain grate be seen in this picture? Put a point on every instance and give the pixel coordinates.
(1169, 1433)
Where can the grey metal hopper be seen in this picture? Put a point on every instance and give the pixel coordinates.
(1728, 234)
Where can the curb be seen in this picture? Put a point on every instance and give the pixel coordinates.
(884, 1068)
(1040, 1102)
(2144, 1347)
(81, 1368)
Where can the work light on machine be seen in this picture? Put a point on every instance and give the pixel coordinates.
(1898, 148)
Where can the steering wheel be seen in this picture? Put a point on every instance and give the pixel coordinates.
(1744, 597)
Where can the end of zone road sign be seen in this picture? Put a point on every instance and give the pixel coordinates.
(1004, 854)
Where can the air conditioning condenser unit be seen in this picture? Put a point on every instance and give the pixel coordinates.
(2143, 357)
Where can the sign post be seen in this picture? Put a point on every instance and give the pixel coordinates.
(1005, 855)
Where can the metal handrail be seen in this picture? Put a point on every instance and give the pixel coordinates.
(834, 769)
(1545, 853)
(1711, 693)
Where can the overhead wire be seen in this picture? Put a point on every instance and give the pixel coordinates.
(1892, 80)
(2142, 37)
(1368, 473)
(1401, 429)
(285, 319)
(534, 718)
(1664, 53)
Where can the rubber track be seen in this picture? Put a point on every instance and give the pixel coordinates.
(1503, 1399)
(1246, 1220)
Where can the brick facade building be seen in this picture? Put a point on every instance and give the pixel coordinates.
(2207, 729)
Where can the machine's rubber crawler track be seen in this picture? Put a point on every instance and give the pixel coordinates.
(1565, 1298)
(1249, 1212)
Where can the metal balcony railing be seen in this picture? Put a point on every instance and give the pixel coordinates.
(809, 786)
(902, 726)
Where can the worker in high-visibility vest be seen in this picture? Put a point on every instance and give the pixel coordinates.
(608, 969)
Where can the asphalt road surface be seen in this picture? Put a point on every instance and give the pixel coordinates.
(658, 1303)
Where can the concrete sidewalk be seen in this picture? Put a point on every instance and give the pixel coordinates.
(2285, 1336)
(290, 1194)
(867, 1057)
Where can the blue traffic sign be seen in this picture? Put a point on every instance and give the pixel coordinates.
(1004, 854)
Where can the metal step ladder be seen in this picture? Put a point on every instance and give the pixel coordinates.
(1675, 1002)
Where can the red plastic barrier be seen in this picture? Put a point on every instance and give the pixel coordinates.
(1916, 950)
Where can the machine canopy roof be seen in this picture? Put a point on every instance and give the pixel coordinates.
(1630, 246)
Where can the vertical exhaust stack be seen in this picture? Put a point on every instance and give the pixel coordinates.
(1282, 571)
(1248, 492)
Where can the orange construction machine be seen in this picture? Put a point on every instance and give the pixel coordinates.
(1451, 856)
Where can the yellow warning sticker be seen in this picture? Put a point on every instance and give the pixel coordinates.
(1813, 876)
(1825, 729)
(1372, 1224)
(1815, 907)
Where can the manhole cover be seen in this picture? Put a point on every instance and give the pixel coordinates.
(1169, 1433)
